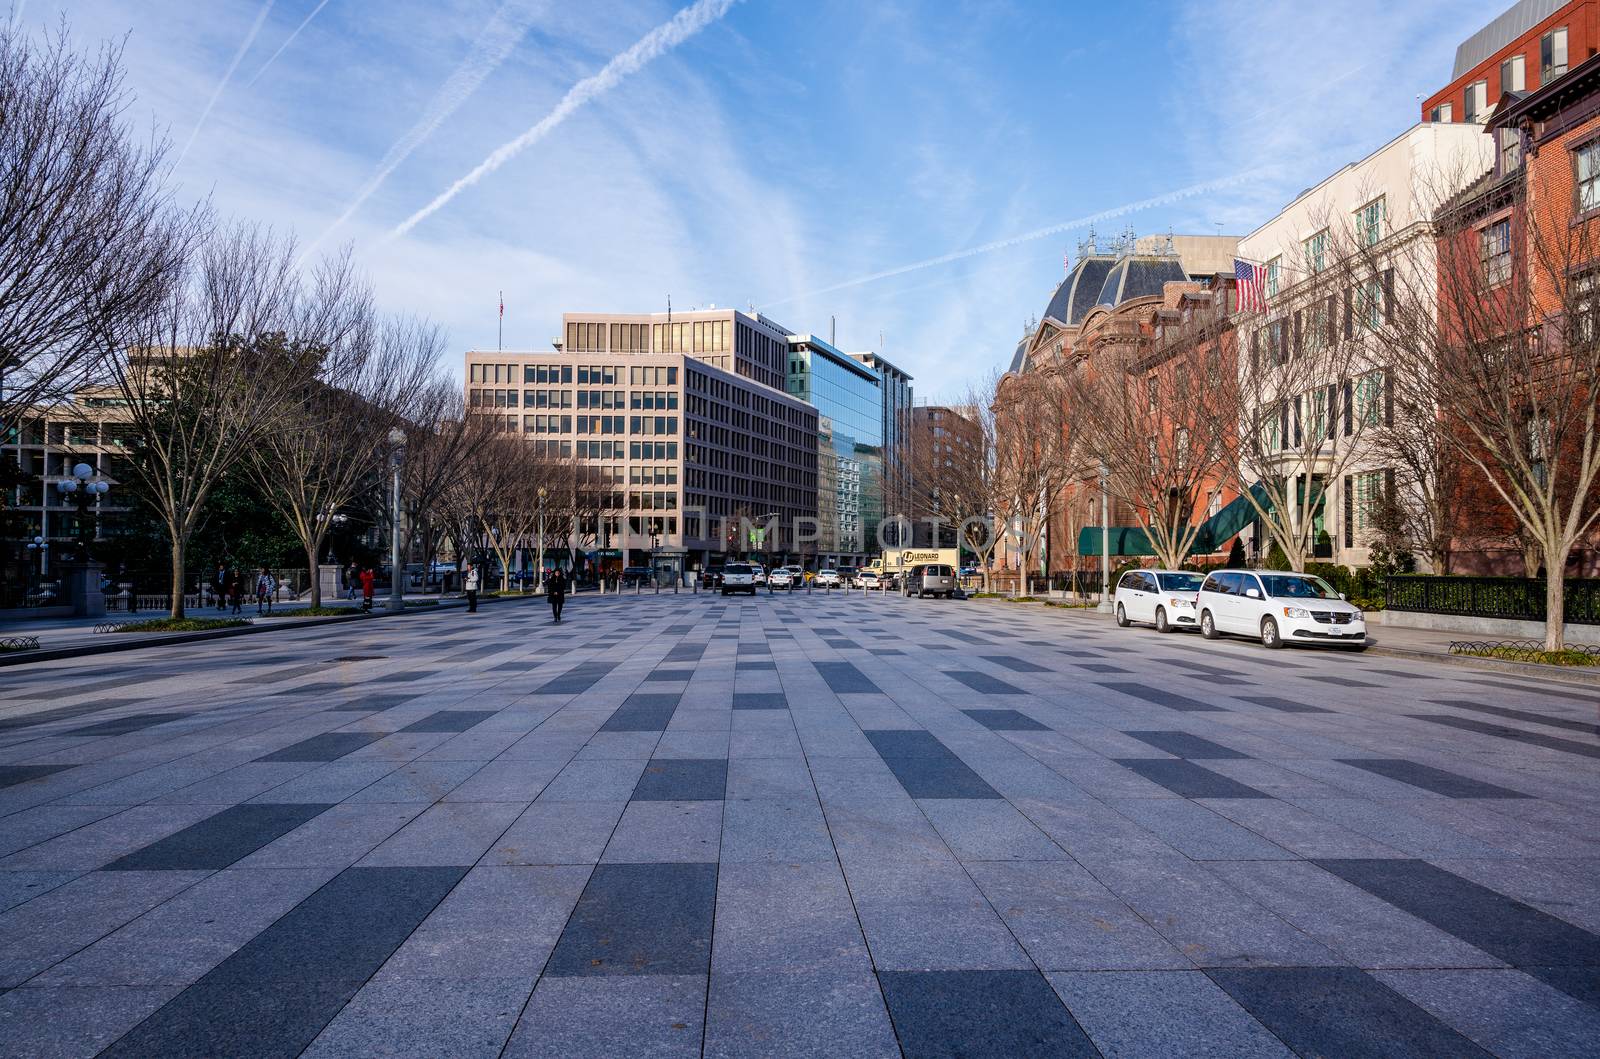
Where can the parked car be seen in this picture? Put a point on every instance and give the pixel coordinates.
(1164, 598)
(869, 579)
(760, 573)
(931, 579)
(847, 576)
(1278, 608)
(635, 575)
(711, 577)
(972, 571)
(829, 579)
(782, 577)
(738, 577)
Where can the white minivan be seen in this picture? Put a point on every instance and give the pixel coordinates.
(1163, 598)
(1278, 608)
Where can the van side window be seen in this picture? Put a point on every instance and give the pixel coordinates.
(1247, 582)
(1213, 584)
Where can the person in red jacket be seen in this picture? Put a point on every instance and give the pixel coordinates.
(366, 588)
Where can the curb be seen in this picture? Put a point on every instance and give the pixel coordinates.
(1552, 674)
(56, 654)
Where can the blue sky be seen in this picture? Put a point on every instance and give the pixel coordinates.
(779, 153)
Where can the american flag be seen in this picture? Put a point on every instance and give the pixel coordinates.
(1252, 283)
(1066, 262)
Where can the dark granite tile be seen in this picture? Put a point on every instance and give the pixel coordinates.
(1171, 700)
(273, 996)
(405, 676)
(1340, 1011)
(744, 667)
(748, 648)
(1186, 745)
(844, 678)
(685, 652)
(640, 919)
(1188, 779)
(371, 704)
(133, 722)
(12, 775)
(682, 780)
(1016, 665)
(1586, 727)
(644, 712)
(1099, 667)
(449, 721)
(1343, 682)
(1272, 702)
(329, 746)
(62, 713)
(217, 841)
(1543, 687)
(926, 768)
(1515, 735)
(1430, 779)
(982, 683)
(579, 678)
(1525, 937)
(1006, 721)
(669, 674)
(980, 1015)
(760, 700)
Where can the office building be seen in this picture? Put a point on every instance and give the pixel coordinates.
(847, 395)
(894, 388)
(1531, 44)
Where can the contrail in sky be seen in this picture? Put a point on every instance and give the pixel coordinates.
(499, 36)
(1165, 199)
(287, 41)
(249, 39)
(662, 39)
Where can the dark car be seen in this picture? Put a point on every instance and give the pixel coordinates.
(636, 575)
(711, 577)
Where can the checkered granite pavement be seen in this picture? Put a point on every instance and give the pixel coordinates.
(791, 825)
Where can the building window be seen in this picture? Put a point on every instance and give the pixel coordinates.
(1367, 492)
(1510, 150)
(1369, 398)
(1369, 222)
(1316, 250)
(1496, 243)
(1274, 276)
(1552, 55)
(1586, 176)
(1476, 101)
(1583, 291)
(1443, 113)
(1513, 74)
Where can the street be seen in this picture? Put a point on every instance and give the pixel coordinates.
(791, 825)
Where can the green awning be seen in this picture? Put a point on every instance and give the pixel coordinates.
(1214, 533)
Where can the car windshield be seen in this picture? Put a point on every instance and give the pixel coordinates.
(1180, 582)
(1297, 586)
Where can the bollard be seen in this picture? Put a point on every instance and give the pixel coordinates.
(638, 587)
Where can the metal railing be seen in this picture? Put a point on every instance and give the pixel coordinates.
(1516, 598)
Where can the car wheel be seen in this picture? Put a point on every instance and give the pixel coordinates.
(1269, 634)
(1358, 648)
(921, 594)
(1161, 620)
(1208, 627)
(724, 592)
(1122, 617)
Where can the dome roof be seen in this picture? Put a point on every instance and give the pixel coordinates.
(1019, 358)
(1138, 276)
(1076, 294)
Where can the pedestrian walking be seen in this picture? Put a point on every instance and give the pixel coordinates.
(352, 581)
(366, 578)
(264, 586)
(470, 582)
(219, 586)
(235, 583)
(555, 590)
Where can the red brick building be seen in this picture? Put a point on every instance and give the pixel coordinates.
(1532, 44)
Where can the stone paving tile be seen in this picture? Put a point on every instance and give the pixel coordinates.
(668, 827)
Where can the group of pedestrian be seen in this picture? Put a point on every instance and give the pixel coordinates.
(229, 588)
(359, 579)
(555, 590)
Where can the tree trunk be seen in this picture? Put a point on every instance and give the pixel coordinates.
(1555, 597)
(311, 567)
(175, 612)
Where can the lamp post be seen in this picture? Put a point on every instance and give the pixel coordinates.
(397, 442)
(83, 491)
(42, 547)
(1105, 541)
(542, 494)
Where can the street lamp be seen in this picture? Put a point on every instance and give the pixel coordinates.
(397, 442)
(42, 547)
(1105, 541)
(83, 490)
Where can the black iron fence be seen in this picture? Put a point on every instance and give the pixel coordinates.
(1521, 598)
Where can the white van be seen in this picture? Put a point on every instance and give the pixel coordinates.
(1163, 598)
(1278, 608)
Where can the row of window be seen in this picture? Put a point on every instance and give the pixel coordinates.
(1476, 105)
(1314, 417)
(1316, 327)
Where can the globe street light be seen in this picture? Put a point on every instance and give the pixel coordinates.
(42, 547)
(397, 442)
(83, 491)
(542, 495)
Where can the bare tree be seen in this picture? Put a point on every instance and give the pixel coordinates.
(503, 485)
(1509, 343)
(90, 243)
(206, 373)
(330, 437)
(1153, 415)
(1036, 455)
(953, 477)
(440, 438)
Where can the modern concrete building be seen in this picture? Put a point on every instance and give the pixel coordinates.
(690, 446)
(847, 395)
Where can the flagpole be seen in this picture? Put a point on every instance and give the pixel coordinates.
(500, 340)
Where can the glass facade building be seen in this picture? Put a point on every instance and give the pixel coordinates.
(848, 397)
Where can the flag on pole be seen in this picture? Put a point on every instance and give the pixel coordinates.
(1066, 262)
(1252, 283)
(502, 305)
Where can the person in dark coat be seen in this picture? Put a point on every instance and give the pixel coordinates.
(235, 588)
(555, 589)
